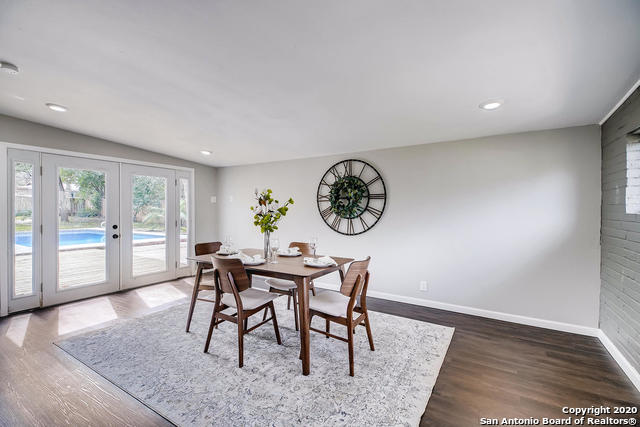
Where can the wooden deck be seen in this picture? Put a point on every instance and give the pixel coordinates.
(83, 266)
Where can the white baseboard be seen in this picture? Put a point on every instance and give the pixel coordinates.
(515, 318)
(622, 361)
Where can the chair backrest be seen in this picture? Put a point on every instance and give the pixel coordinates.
(357, 269)
(304, 247)
(207, 248)
(231, 274)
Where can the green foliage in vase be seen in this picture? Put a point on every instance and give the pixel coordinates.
(268, 211)
(345, 196)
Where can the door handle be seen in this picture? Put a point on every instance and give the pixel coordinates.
(115, 236)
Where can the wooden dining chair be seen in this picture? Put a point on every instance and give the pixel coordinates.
(288, 287)
(206, 279)
(340, 307)
(233, 289)
(306, 250)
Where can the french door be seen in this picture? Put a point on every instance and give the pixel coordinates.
(82, 227)
(148, 226)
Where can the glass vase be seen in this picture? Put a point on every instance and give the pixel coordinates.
(267, 245)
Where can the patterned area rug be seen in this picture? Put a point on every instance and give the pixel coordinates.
(155, 361)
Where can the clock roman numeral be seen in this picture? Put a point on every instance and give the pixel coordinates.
(347, 167)
(323, 182)
(350, 229)
(326, 213)
(336, 223)
(323, 198)
(376, 196)
(362, 170)
(377, 178)
(363, 222)
(335, 173)
(375, 212)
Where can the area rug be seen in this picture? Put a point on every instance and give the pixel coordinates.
(155, 361)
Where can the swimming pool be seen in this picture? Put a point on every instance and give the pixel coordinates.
(81, 237)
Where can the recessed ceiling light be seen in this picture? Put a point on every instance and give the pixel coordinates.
(206, 152)
(8, 67)
(491, 105)
(56, 107)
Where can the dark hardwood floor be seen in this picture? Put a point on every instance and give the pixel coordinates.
(493, 369)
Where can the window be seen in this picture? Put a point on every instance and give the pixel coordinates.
(632, 196)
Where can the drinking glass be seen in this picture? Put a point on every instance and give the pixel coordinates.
(313, 244)
(275, 245)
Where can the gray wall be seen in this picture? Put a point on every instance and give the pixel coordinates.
(29, 133)
(507, 223)
(620, 293)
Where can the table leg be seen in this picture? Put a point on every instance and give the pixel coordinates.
(194, 295)
(303, 308)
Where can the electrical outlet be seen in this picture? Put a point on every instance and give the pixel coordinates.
(423, 286)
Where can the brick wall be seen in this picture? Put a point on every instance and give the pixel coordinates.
(620, 265)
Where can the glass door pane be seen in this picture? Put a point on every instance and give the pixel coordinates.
(183, 221)
(24, 229)
(23, 176)
(149, 219)
(81, 211)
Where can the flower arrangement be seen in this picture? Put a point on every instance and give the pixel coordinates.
(268, 211)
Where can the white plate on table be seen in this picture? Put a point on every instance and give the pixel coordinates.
(254, 262)
(288, 254)
(225, 253)
(310, 262)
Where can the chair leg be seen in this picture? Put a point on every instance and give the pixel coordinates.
(246, 324)
(313, 290)
(289, 303)
(264, 317)
(275, 322)
(368, 326)
(295, 309)
(328, 327)
(194, 298)
(211, 325)
(240, 341)
(350, 342)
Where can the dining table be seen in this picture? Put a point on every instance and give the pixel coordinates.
(288, 268)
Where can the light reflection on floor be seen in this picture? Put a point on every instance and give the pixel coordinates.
(154, 296)
(18, 328)
(84, 314)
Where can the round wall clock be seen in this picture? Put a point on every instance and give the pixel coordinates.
(351, 197)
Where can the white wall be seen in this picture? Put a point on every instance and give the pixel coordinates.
(507, 223)
(19, 131)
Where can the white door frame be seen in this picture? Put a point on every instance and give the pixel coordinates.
(4, 235)
(128, 280)
(35, 299)
(185, 270)
(50, 166)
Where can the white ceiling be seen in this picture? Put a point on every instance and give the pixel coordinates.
(257, 81)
